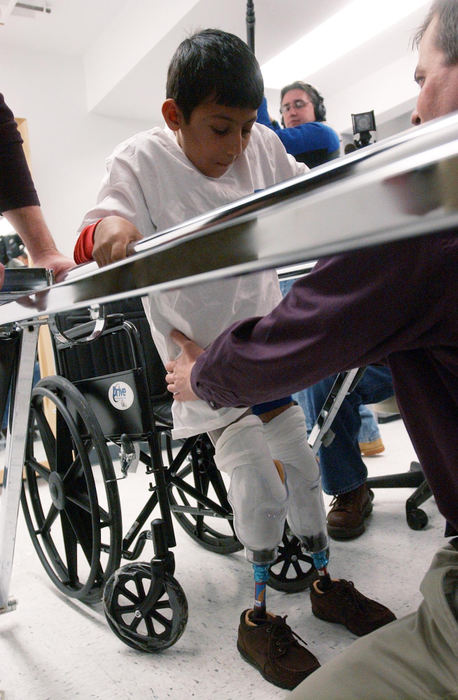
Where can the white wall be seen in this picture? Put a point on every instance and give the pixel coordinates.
(68, 146)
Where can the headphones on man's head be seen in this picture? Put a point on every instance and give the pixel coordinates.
(315, 97)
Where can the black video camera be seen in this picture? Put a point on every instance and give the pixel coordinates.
(363, 124)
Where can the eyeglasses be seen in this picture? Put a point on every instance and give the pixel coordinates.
(297, 104)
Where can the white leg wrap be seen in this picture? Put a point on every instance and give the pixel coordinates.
(286, 436)
(257, 494)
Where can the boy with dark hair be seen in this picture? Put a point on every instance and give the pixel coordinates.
(211, 153)
(416, 656)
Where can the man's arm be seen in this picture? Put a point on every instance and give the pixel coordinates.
(19, 202)
(29, 223)
(350, 311)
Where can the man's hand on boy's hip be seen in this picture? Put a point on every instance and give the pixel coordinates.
(178, 375)
(111, 238)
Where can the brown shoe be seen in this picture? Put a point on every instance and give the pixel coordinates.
(343, 603)
(273, 648)
(372, 448)
(348, 511)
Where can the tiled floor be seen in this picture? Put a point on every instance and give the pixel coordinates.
(53, 647)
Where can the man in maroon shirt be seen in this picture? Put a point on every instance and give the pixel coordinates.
(409, 291)
(19, 202)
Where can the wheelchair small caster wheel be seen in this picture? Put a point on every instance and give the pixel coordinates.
(293, 570)
(146, 612)
(416, 519)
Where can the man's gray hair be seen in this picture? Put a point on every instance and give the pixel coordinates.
(447, 28)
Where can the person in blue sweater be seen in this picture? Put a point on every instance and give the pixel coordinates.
(304, 134)
(311, 141)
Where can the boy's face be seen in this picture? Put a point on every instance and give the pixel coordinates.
(215, 135)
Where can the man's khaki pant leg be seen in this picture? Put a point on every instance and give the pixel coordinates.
(415, 657)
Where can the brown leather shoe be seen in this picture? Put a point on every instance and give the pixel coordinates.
(348, 511)
(343, 603)
(273, 648)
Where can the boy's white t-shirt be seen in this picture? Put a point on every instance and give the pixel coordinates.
(152, 183)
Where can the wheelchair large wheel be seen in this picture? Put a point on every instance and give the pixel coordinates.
(146, 612)
(213, 532)
(292, 571)
(69, 497)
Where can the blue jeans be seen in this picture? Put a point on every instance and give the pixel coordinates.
(369, 428)
(342, 468)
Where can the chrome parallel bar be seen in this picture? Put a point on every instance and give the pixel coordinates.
(402, 189)
(15, 452)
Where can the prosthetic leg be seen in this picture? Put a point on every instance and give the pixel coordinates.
(259, 500)
(257, 494)
(286, 436)
(334, 600)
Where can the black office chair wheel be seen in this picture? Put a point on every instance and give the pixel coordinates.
(416, 518)
(146, 612)
(70, 501)
(201, 475)
(292, 571)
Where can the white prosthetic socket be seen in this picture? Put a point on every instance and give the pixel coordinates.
(286, 436)
(257, 493)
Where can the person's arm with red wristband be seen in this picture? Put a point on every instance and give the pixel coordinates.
(105, 241)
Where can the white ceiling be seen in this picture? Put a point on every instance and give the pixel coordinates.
(125, 47)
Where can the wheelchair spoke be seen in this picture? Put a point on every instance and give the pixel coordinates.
(164, 621)
(47, 438)
(81, 500)
(74, 471)
(135, 622)
(140, 587)
(49, 520)
(70, 544)
(297, 567)
(284, 569)
(80, 522)
(128, 593)
(40, 469)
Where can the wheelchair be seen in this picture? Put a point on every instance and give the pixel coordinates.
(108, 401)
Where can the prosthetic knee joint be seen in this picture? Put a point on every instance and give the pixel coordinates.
(287, 439)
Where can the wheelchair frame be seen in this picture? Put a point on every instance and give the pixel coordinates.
(144, 605)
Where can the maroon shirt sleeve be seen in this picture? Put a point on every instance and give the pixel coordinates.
(398, 301)
(351, 310)
(16, 184)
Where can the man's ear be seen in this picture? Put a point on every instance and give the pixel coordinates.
(172, 114)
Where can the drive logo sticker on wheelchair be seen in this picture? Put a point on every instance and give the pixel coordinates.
(121, 396)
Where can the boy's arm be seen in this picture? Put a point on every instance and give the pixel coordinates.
(111, 239)
(119, 218)
(284, 166)
(106, 241)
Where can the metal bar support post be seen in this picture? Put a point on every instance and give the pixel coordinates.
(15, 453)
